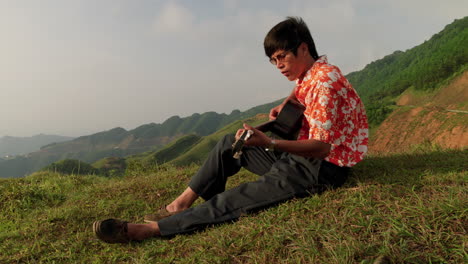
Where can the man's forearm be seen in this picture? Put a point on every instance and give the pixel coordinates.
(307, 148)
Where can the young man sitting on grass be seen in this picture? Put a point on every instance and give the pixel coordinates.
(333, 138)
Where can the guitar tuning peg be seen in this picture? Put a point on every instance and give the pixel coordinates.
(237, 154)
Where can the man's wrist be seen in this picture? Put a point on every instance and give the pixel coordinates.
(272, 145)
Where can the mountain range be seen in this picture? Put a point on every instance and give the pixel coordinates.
(118, 142)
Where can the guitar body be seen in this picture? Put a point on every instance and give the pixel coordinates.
(287, 123)
(286, 126)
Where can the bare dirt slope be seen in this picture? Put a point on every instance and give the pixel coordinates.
(440, 119)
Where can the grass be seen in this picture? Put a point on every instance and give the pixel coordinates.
(411, 207)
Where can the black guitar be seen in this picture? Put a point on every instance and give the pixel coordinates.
(286, 126)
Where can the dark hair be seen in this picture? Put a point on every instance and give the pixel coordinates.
(288, 35)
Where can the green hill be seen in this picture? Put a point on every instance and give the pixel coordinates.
(173, 150)
(425, 67)
(111, 166)
(185, 150)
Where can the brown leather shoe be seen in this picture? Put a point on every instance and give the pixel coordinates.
(112, 231)
(382, 260)
(160, 214)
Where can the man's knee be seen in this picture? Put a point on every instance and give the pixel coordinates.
(226, 142)
(230, 138)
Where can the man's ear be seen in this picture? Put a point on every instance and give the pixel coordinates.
(304, 49)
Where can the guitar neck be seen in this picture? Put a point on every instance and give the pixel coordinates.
(285, 125)
(265, 126)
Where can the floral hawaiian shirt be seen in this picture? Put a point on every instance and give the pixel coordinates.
(334, 113)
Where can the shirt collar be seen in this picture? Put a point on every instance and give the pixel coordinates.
(320, 61)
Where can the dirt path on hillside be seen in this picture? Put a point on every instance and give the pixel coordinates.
(456, 111)
(405, 129)
(440, 119)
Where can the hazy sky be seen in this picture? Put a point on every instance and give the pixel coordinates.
(79, 67)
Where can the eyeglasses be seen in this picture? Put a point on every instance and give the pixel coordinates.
(280, 57)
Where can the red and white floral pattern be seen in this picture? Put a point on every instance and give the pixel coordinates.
(334, 113)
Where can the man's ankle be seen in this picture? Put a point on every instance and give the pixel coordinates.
(143, 231)
(184, 201)
(175, 207)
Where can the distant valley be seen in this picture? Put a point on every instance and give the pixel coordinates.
(12, 146)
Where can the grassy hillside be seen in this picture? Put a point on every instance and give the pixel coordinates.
(425, 67)
(422, 67)
(410, 207)
(173, 150)
(70, 166)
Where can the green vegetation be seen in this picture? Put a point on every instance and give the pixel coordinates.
(411, 207)
(112, 166)
(71, 166)
(378, 111)
(423, 66)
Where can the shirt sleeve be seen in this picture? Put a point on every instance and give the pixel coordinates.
(322, 104)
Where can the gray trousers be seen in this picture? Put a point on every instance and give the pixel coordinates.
(283, 176)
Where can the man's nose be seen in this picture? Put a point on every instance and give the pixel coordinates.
(279, 65)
